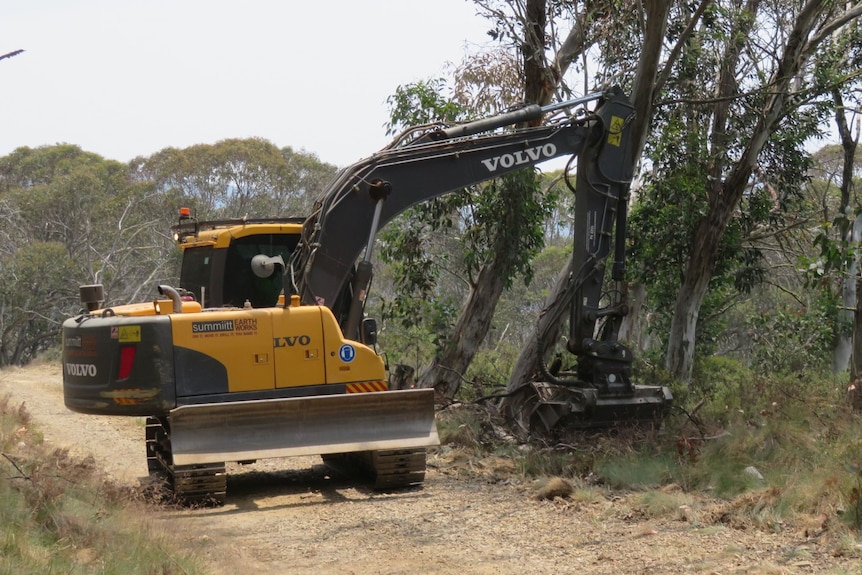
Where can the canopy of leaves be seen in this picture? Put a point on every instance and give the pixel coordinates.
(70, 217)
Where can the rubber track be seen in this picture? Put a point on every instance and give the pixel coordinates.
(189, 484)
(391, 469)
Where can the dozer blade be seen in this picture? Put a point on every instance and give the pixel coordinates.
(319, 425)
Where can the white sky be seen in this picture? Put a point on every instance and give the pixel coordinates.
(126, 78)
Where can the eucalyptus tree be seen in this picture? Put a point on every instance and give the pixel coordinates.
(426, 262)
(562, 40)
(531, 29)
(424, 283)
(237, 177)
(846, 53)
(37, 292)
(754, 98)
(69, 218)
(836, 173)
(306, 175)
(743, 70)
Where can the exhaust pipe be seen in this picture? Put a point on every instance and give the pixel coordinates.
(174, 295)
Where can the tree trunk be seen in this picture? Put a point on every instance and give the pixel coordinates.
(631, 329)
(854, 390)
(683, 328)
(847, 316)
(445, 372)
(548, 328)
(844, 344)
(539, 83)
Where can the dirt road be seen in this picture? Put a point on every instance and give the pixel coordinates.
(290, 516)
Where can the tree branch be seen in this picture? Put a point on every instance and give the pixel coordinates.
(677, 49)
(831, 26)
(15, 465)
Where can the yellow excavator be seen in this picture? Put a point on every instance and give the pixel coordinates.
(264, 348)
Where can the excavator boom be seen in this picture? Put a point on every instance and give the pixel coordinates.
(441, 163)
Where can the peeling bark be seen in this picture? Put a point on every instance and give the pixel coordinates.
(445, 373)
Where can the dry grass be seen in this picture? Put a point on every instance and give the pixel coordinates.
(789, 461)
(61, 516)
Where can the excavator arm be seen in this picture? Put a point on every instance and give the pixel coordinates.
(365, 196)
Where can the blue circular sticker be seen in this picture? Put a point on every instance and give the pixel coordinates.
(347, 353)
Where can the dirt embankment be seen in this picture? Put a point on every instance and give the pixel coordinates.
(291, 516)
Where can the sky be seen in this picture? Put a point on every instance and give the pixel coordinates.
(126, 78)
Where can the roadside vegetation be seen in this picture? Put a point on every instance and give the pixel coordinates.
(59, 515)
(769, 452)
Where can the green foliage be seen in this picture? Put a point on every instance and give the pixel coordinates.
(35, 296)
(728, 391)
(515, 317)
(662, 223)
(788, 340)
(70, 217)
(836, 253)
(725, 385)
(512, 211)
(237, 177)
(421, 103)
(409, 345)
(639, 470)
(408, 245)
(782, 451)
(675, 200)
(437, 251)
(28, 167)
(489, 372)
(745, 209)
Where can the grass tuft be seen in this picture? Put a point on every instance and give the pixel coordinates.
(637, 471)
(59, 515)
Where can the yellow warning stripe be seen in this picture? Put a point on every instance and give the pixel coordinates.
(367, 386)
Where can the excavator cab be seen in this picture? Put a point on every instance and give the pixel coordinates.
(221, 260)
